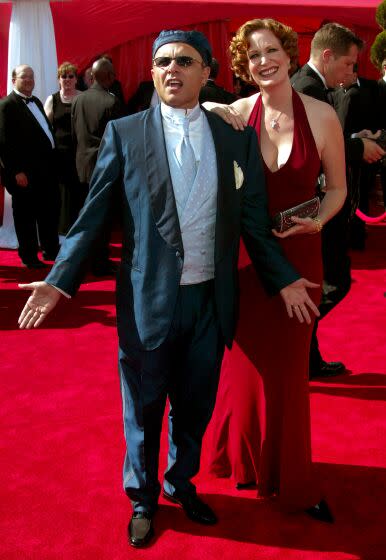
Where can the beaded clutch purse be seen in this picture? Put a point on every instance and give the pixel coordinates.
(309, 209)
(381, 141)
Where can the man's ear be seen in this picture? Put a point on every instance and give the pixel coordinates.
(205, 75)
(327, 54)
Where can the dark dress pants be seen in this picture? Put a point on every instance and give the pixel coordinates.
(36, 212)
(367, 176)
(337, 273)
(72, 192)
(185, 368)
(383, 182)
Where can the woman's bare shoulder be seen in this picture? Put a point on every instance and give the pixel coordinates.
(316, 108)
(323, 120)
(245, 105)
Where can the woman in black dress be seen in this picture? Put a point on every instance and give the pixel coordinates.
(58, 111)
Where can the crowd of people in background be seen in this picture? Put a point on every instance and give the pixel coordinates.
(359, 103)
(305, 120)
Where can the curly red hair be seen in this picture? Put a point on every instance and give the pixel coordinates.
(240, 44)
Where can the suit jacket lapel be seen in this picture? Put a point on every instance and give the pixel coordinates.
(18, 99)
(311, 72)
(225, 194)
(39, 104)
(159, 182)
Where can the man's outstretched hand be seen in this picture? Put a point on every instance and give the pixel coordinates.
(43, 299)
(297, 300)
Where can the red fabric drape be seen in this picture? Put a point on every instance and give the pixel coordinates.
(366, 68)
(132, 60)
(84, 29)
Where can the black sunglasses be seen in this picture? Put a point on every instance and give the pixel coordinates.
(64, 76)
(184, 61)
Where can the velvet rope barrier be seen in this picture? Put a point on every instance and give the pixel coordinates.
(370, 219)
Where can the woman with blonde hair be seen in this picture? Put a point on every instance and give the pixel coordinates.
(261, 423)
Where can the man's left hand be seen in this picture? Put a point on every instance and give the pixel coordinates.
(297, 300)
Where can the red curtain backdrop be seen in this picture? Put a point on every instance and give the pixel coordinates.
(366, 68)
(132, 60)
(5, 17)
(84, 29)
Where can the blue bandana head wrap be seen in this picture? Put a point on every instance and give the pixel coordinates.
(195, 39)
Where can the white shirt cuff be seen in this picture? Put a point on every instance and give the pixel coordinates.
(61, 291)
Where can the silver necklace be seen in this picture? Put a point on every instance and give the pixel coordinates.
(274, 122)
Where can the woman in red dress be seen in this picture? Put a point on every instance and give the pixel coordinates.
(261, 423)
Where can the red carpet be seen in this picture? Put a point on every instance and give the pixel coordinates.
(62, 444)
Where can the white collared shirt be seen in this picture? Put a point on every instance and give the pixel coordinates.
(311, 65)
(172, 122)
(38, 116)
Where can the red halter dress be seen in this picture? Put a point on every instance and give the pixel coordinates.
(261, 423)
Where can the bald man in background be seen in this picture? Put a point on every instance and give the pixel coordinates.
(91, 111)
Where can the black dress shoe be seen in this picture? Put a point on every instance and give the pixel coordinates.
(321, 512)
(34, 264)
(195, 509)
(49, 256)
(140, 530)
(327, 369)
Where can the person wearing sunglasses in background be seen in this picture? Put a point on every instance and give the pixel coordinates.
(58, 111)
(189, 185)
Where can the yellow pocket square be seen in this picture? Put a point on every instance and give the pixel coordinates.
(239, 175)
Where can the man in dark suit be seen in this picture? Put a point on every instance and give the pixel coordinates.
(213, 92)
(116, 87)
(382, 93)
(334, 51)
(27, 152)
(144, 97)
(357, 104)
(90, 112)
(191, 185)
(382, 101)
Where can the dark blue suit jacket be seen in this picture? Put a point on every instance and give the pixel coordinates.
(133, 150)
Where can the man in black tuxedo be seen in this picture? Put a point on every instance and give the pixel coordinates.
(90, 112)
(213, 92)
(382, 101)
(382, 93)
(27, 153)
(334, 51)
(191, 185)
(358, 107)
